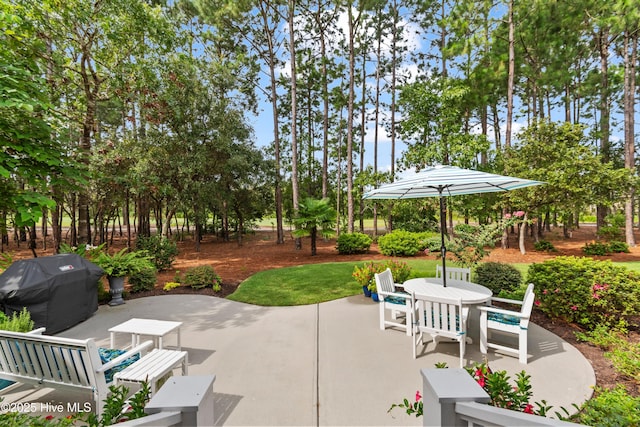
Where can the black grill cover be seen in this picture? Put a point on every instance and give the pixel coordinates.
(59, 291)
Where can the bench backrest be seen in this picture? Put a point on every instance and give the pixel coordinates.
(49, 360)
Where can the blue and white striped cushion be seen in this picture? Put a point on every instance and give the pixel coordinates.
(504, 318)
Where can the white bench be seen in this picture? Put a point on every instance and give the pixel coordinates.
(56, 362)
(153, 367)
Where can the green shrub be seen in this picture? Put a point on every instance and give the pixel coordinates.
(162, 251)
(353, 243)
(202, 276)
(465, 228)
(618, 247)
(365, 275)
(610, 408)
(171, 285)
(498, 276)
(144, 279)
(609, 232)
(399, 243)
(623, 353)
(596, 249)
(544, 246)
(586, 291)
(428, 241)
(18, 322)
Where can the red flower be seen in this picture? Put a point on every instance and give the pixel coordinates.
(528, 409)
(481, 382)
(418, 397)
(48, 417)
(537, 302)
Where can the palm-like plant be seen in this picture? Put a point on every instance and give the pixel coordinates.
(315, 215)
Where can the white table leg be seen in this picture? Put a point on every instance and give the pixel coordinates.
(112, 340)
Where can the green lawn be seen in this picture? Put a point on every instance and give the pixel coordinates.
(314, 283)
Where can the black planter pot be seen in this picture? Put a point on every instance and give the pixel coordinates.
(116, 287)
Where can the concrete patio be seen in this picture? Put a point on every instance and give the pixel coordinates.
(324, 364)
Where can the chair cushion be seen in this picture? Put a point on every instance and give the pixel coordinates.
(395, 300)
(108, 354)
(503, 318)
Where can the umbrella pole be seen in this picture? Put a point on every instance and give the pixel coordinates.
(443, 247)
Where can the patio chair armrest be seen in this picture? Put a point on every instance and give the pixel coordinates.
(395, 294)
(490, 309)
(38, 331)
(506, 300)
(124, 356)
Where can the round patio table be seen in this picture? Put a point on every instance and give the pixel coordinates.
(469, 293)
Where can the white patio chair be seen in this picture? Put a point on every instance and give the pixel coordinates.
(396, 302)
(440, 318)
(454, 273)
(508, 322)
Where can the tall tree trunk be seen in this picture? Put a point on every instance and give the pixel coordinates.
(325, 106)
(377, 125)
(510, 75)
(350, 113)
(602, 39)
(363, 123)
(294, 117)
(630, 58)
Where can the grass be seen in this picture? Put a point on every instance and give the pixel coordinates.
(315, 283)
(311, 283)
(300, 285)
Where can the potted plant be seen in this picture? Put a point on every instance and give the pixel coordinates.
(118, 266)
(374, 291)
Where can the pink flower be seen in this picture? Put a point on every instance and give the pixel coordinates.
(507, 216)
(518, 214)
(537, 302)
(528, 409)
(595, 296)
(574, 307)
(418, 397)
(544, 292)
(557, 290)
(481, 382)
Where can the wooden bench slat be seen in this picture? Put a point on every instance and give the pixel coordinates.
(56, 362)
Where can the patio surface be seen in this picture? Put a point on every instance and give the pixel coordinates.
(323, 364)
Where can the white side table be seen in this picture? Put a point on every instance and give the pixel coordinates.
(153, 367)
(150, 327)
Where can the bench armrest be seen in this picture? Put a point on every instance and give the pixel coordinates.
(125, 356)
(38, 331)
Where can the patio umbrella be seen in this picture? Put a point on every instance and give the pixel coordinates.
(440, 181)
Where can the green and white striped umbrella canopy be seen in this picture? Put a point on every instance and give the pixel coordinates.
(447, 181)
